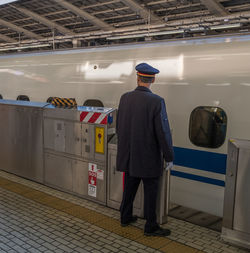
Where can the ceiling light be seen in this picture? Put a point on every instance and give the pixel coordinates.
(2, 2)
(166, 32)
(150, 34)
(127, 36)
(218, 27)
(24, 47)
(197, 29)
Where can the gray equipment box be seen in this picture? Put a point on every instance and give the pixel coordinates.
(115, 188)
(75, 148)
(236, 218)
(21, 135)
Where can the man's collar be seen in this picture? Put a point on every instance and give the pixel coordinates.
(143, 88)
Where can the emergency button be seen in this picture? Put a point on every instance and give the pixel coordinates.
(99, 138)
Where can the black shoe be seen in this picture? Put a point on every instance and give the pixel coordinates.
(131, 220)
(158, 232)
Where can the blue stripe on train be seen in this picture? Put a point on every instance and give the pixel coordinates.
(198, 178)
(200, 160)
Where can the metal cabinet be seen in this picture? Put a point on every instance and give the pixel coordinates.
(58, 172)
(59, 140)
(75, 143)
(73, 138)
(63, 148)
(73, 175)
(69, 137)
(35, 151)
(80, 177)
(115, 184)
(242, 200)
(20, 132)
(87, 141)
(8, 140)
(21, 146)
(236, 220)
(49, 133)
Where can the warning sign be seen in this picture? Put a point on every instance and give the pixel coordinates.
(92, 191)
(100, 174)
(92, 179)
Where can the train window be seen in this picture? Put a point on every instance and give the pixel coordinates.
(1, 97)
(93, 102)
(23, 97)
(208, 126)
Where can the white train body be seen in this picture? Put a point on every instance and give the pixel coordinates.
(201, 72)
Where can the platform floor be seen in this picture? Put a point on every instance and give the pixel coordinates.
(35, 218)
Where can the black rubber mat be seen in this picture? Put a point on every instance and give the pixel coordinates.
(216, 226)
(196, 217)
(182, 213)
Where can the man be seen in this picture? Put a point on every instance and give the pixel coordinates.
(143, 136)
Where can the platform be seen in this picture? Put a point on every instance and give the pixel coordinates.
(35, 218)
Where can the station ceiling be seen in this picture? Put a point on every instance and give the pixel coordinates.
(55, 24)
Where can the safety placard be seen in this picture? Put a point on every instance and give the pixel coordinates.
(99, 140)
(100, 174)
(92, 180)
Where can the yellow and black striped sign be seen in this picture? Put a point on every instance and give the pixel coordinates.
(64, 102)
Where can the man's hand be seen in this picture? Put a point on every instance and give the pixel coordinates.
(169, 166)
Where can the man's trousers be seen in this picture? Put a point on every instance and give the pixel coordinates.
(151, 186)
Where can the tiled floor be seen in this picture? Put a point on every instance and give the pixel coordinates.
(36, 218)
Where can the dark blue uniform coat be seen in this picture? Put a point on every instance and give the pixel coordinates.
(143, 134)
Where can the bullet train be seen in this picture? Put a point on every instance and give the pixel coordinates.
(205, 84)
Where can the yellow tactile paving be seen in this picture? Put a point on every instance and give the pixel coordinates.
(130, 232)
(34, 195)
(46, 200)
(92, 217)
(84, 214)
(60, 204)
(109, 224)
(17, 188)
(77, 211)
(4, 181)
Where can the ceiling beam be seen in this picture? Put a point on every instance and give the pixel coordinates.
(44, 21)
(81, 13)
(215, 7)
(19, 29)
(6, 38)
(143, 12)
(101, 4)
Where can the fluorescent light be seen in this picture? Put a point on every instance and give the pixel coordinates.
(2, 2)
(217, 27)
(127, 36)
(145, 34)
(197, 29)
(166, 32)
(23, 47)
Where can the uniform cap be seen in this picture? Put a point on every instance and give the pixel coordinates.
(144, 69)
